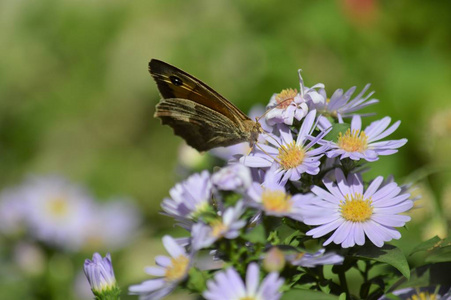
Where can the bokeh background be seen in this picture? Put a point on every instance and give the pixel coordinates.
(76, 101)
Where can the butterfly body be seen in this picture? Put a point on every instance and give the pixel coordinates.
(197, 113)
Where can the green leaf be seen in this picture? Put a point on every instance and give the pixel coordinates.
(256, 235)
(388, 254)
(197, 280)
(428, 275)
(335, 132)
(427, 245)
(307, 294)
(438, 250)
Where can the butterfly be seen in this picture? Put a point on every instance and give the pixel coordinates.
(197, 113)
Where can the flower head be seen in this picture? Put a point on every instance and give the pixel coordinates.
(229, 285)
(100, 274)
(292, 157)
(189, 199)
(353, 213)
(357, 144)
(289, 104)
(170, 271)
(235, 177)
(58, 212)
(227, 226)
(340, 105)
(272, 198)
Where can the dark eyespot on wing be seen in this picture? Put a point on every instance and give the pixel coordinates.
(175, 80)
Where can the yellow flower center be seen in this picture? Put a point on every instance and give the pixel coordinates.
(177, 269)
(355, 209)
(218, 228)
(354, 141)
(276, 201)
(291, 155)
(423, 296)
(248, 298)
(299, 255)
(285, 97)
(58, 206)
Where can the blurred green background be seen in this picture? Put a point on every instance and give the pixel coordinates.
(76, 98)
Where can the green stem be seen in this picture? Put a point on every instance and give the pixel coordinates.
(344, 284)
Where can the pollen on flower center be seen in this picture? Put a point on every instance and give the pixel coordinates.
(177, 269)
(276, 201)
(285, 97)
(356, 209)
(218, 228)
(291, 155)
(58, 206)
(354, 141)
(423, 296)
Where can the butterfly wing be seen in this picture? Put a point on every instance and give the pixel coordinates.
(202, 127)
(175, 83)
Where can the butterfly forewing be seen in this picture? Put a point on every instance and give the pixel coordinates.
(197, 113)
(175, 83)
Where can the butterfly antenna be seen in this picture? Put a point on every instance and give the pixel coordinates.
(275, 159)
(257, 119)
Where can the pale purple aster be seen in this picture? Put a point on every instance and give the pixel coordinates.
(341, 105)
(229, 285)
(426, 293)
(58, 212)
(292, 157)
(235, 177)
(100, 273)
(289, 105)
(114, 225)
(170, 271)
(13, 209)
(228, 226)
(272, 198)
(363, 144)
(319, 258)
(352, 212)
(189, 199)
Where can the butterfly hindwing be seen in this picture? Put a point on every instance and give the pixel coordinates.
(202, 127)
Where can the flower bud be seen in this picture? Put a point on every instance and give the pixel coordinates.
(100, 274)
(274, 260)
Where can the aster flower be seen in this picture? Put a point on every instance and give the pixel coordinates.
(319, 258)
(114, 224)
(189, 199)
(340, 105)
(229, 285)
(272, 198)
(422, 293)
(170, 272)
(12, 212)
(289, 104)
(58, 212)
(100, 274)
(226, 226)
(353, 213)
(357, 144)
(292, 157)
(235, 177)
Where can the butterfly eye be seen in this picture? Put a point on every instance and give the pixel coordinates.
(175, 80)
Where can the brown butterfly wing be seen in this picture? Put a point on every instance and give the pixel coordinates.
(175, 83)
(202, 127)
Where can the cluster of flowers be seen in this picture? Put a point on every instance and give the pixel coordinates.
(301, 185)
(53, 211)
